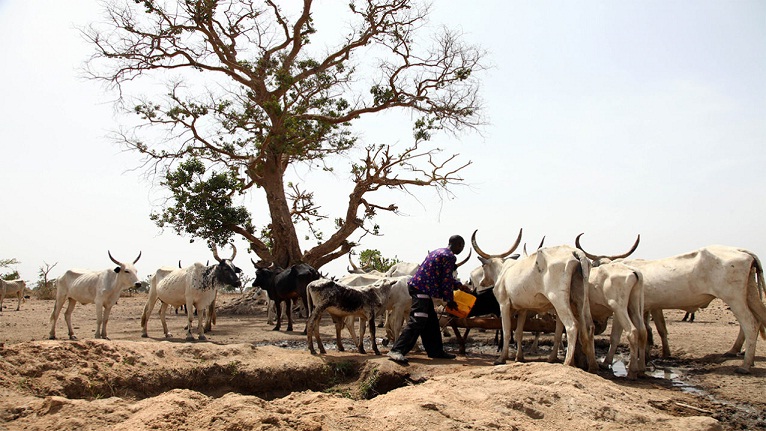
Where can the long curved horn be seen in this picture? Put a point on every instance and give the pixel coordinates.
(541, 243)
(617, 256)
(139, 257)
(113, 259)
(233, 251)
(356, 268)
(214, 249)
(577, 244)
(485, 255)
(629, 252)
(464, 260)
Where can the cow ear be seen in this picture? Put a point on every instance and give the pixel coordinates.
(117, 269)
(237, 270)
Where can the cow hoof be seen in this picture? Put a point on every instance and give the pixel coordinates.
(72, 337)
(290, 329)
(499, 362)
(189, 338)
(202, 338)
(168, 335)
(341, 349)
(741, 370)
(144, 335)
(385, 342)
(52, 337)
(377, 353)
(731, 354)
(276, 328)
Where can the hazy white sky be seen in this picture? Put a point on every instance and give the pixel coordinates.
(610, 118)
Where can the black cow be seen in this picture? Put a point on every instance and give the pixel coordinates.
(285, 285)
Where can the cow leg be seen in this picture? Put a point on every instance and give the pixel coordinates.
(163, 311)
(278, 314)
(662, 331)
(201, 324)
(339, 324)
(738, 343)
(360, 346)
(289, 305)
(68, 318)
(107, 312)
(622, 319)
(372, 333)
(55, 317)
(18, 305)
(190, 320)
(461, 339)
(554, 355)
(313, 330)
(749, 325)
(566, 317)
(520, 318)
(505, 316)
(99, 320)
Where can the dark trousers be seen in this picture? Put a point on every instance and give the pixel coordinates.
(424, 323)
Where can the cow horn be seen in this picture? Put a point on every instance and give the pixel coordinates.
(489, 256)
(617, 256)
(214, 249)
(541, 243)
(352, 263)
(179, 263)
(139, 257)
(233, 251)
(466, 259)
(113, 259)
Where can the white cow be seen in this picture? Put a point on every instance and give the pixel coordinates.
(401, 269)
(552, 277)
(617, 290)
(12, 287)
(691, 280)
(194, 286)
(87, 287)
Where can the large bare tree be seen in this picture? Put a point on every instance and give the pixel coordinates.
(252, 88)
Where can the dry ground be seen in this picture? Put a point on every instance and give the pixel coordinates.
(247, 376)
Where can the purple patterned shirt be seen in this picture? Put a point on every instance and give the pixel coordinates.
(434, 276)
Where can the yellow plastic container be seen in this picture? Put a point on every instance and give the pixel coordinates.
(464, 302)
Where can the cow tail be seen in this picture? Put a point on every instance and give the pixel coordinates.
(757, 307)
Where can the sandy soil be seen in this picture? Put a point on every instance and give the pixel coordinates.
(247, 376)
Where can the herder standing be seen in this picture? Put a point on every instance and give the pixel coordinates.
(433, 279)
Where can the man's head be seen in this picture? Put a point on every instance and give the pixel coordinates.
(456, 244)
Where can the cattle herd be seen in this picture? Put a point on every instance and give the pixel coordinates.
(581, 289)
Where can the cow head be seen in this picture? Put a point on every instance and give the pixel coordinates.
(492, 263)
(127, 275)
(603, 259)
(226, 272)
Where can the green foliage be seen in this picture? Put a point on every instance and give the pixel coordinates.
(203, 205)
(373, 259)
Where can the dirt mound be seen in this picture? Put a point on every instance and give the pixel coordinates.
(164, 385)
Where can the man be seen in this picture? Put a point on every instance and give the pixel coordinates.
(434, 278)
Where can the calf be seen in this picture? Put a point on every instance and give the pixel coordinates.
(12, 287)
(342, 301)
(285, 285)
(194, 286)
(88, 287)
(395, 303)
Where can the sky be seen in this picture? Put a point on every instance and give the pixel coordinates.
(608, 118)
